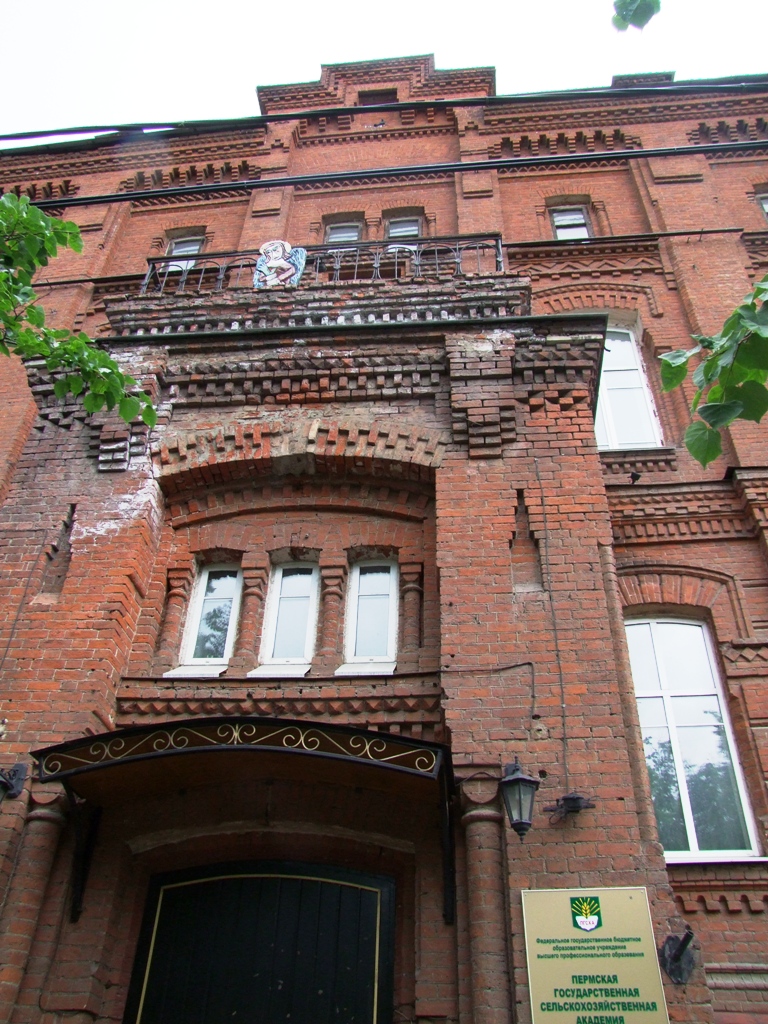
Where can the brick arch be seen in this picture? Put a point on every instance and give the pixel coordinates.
(569, 298)
(229, 452)
(687, 586)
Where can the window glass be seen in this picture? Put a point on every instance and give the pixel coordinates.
(213, 614)
(371, 618)
(296, 588)
(570, 222)
(372, 632)
(352, 232)
(183, 247)
(625, 415)
(290, 620)
(696, 784)
(763, 200)
(404, 227)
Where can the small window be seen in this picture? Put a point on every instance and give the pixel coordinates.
(184, 247)
(570, 222)
(374, 97)
(763, 200)
(404, 227)
(290, 621)
(696, 781)
(625, 416)
(211, 626)
(371, 628)
(349, 232)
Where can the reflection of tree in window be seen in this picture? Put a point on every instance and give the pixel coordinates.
(697, 795)
(215, 614)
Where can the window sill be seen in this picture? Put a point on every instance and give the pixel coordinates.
(366, 668)
(197, 671)
(295, 671)
(681, 859)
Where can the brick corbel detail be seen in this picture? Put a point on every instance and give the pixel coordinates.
(483, 822)
(180, 580)
(482, 406)
(255, 583)
(332, 580)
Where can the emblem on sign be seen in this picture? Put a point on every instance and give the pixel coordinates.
(279, 264)
(585, 912)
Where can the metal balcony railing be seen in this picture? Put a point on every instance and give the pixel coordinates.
(330, 264)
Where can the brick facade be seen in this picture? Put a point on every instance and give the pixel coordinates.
(429, 407)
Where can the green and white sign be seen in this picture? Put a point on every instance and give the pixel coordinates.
(592, 957)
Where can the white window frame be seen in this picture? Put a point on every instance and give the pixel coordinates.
(558, 211)
(382, 664)
(189, 665)
(183, 266)
(666, 693)
(348, 225)
(763, 202)
(269, 665)
(606, 431)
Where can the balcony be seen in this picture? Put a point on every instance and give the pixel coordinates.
(362, 262)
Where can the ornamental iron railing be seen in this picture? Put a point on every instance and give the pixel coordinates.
(358, 262)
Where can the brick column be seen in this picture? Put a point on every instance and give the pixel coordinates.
(179, 586)
(332, 577)
(483, 823)
(410, 591)
(255, 580)
(26, 890)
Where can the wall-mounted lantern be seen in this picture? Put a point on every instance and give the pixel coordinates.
(518, 791)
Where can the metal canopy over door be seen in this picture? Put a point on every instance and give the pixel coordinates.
(265, 944)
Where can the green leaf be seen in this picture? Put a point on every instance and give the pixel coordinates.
(753, 353)
(36, 316)
(673, 374)
(720, 414)
(754, 397)
(61, 388)
(75, 383)
(93, 402)
(129, 408)
(149, 415)
(703, 443)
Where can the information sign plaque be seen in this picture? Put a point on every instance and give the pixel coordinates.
(592, 958)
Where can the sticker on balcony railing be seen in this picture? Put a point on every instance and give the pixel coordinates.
(279, 264)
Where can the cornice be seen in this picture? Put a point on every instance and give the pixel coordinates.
(601, 110)
(374, 180)
(602, 256)
(372, 135)
(678, 513)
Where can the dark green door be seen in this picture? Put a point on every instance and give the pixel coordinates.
(265, 944)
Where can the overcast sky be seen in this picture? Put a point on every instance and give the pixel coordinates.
(88, 62)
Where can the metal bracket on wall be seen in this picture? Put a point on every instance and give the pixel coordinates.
(12, 781)
(676, 958)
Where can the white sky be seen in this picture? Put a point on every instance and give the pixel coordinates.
(98, 61)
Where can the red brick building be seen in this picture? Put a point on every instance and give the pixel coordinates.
(274, 654)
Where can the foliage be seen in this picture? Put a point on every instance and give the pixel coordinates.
(28, 239)
(730, 378)
(634, 12)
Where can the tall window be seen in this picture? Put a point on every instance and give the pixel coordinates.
(696, 782)
(570, 222)
(371, 624)
(211, 626)
(290, 622)
(763, 200)
(184, 247)
(625, 415)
